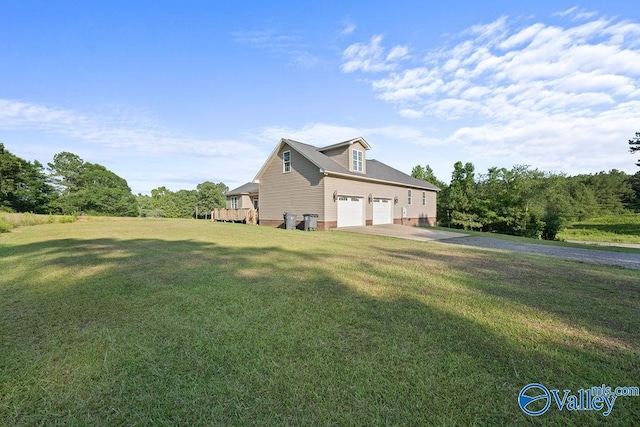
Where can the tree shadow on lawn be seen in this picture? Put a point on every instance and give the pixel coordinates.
(587, 295)
(139, 330)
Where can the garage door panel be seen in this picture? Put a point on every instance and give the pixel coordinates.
(350, 211)
(382, 209)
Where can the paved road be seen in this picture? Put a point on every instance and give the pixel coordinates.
(592, 256)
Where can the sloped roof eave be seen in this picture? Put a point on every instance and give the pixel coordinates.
(249, 188)
(348, 142)
(274, 153)
(382, 181)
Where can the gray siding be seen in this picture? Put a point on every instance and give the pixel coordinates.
(352, 187)
(344, 155)
(300, 191)
(340, 155)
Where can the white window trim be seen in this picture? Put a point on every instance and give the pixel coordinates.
(285, 163)
(233, 202)
(424, 198)
(357, 160)
(409, 197)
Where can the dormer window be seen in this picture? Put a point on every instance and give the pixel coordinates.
(358, 157)
(286, 162)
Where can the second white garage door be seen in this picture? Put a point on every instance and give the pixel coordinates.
(350, 211)
(382, 211)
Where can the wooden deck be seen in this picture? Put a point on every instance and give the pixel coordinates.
(247, 215)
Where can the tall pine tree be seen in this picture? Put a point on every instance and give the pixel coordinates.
(635, 145)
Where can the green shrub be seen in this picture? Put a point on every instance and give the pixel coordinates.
(67, 219)
(4, 225)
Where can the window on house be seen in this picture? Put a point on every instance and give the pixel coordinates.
(286, 162)
(424, 198)
(358, 155)
(233, 203)
(409, 197)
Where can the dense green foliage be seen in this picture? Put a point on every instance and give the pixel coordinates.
(73, 186)
(183, 203)
(23, 185)
(528, 202)
(426, 174)
(89, 188)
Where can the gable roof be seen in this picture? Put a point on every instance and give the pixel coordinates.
(248, 188)
(359, 139)
(376, 171)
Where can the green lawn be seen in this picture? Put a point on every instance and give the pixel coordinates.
(613, 228)
(165, 322)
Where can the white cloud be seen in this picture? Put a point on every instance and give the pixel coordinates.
(287, 44)
(576, 14)
(153, 156)
(489, 31)
(370, 57)
(398, 53)
(555, 96)
(349, 28)
(411, 114)
(322, 134)
(131, 132)
(564, 13)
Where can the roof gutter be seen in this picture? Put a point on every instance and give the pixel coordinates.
(364, 178)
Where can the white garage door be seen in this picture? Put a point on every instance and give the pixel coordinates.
(382, 211)
(350, 211)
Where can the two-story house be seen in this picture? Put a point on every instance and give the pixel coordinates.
(339, 184)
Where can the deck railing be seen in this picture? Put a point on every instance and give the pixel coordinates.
(247, 215)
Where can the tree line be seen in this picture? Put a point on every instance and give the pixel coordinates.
(523, 201)
(183, 203)
(70, 185)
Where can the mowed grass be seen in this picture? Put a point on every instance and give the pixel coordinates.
(613, 228)
(165, 322)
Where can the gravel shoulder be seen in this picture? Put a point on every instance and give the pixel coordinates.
(592, 256)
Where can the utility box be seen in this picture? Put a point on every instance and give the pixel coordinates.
(290, 221)
(310, 222)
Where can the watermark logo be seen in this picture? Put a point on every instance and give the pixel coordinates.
(536, 399)
(534, 396)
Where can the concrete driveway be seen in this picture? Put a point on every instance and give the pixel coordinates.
(592, 256)
(404, 232)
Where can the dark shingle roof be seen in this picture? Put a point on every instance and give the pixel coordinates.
(375, 170)
(378, 170)
(249, 187)
(339, 144)
(312, 154)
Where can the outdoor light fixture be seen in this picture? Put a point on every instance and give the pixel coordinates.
(395, 200)
(335, 195)
(370, 198)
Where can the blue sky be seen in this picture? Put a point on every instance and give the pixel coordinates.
(177, 93)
